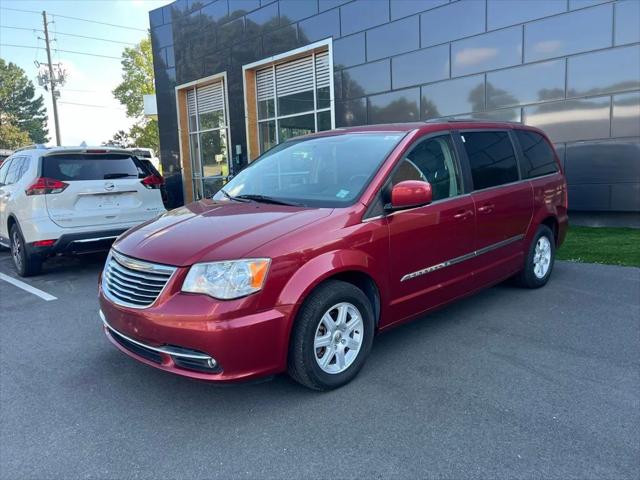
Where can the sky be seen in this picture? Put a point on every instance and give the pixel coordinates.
(90, 79)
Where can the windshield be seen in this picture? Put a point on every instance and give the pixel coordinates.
(322, 172)
(72, 167)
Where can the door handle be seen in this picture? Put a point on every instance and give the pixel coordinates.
(462, 214)
(486, 208)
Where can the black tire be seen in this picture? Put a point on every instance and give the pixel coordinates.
(302, 364)
(528, 278)
(26, 264)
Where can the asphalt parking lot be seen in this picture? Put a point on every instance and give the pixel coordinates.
(509, 383)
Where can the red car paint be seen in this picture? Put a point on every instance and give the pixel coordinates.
(249, 337)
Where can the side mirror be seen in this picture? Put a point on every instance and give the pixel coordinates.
(409, 194)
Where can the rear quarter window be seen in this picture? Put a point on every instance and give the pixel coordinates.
(537, 155)
(76, 167)
(491, 158)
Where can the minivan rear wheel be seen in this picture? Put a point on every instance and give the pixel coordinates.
(331, 337)
(540, 259)
(26, 264)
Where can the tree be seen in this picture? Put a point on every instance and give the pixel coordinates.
(137, 80)
(11, 137)
(18, 102)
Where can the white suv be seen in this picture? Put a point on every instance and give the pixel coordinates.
(71, 199)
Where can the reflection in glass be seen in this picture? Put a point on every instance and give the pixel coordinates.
(213, 147)
(501, 13)
(349, 51)
(295, 126)
(320, 26)
(529, 84)
(627, 21)
(611, 70)
(405, 35)
(266, 108)
(452, 97)
(363, 14)
(212, 185)
(324, 97)
(458, 20)
(351, 112)
(609, 161)
(423, 66)
(365, 79)
(574, 32)
(296, 103)
(571, 119)
(626, 115)
(267, 135)
(400, 106)
(403, 8)
(487, 52)
(324, 120)
(213, 119)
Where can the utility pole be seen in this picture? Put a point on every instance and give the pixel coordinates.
(52, 79)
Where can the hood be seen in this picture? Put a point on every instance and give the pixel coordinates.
(213, 230)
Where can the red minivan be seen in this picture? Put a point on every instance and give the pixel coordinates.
(326, 240)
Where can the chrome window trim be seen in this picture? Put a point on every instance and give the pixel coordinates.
(462, 258)
(166, 350)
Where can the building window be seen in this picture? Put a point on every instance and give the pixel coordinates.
(288, 96)
(208, 134)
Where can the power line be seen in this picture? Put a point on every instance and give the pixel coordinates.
(60, 50)
(93, 106)
(69, 35)
(76, 18)
(100, 23)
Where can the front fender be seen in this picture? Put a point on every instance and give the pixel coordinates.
(327, 265)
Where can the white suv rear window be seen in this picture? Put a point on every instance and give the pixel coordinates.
(69, 168)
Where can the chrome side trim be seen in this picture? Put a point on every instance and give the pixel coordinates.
(97, 239)
(462, 258)
(166, 350)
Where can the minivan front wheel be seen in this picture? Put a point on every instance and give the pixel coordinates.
(540, 259)
(25, 263)
(332, 336)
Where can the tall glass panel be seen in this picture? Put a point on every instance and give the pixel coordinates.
(214, 153)
(267, 135)
(295, 126)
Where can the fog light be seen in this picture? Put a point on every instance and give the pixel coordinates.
(211, 363)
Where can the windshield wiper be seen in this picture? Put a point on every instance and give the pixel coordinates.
(231, 197)
(267, 199)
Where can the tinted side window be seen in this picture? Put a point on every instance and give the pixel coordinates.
(538, 157)
(73, 167)
(15, 170)
(3, 170)
(491, 158)
(432, 161)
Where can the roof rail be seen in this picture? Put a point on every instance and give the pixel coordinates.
(35, 146)
(469, 120)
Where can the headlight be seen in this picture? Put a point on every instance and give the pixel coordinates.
(227, 280)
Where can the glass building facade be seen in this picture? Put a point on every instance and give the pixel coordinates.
(284, 67)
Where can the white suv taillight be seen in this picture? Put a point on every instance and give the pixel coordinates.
(152, 181)
(43, 186)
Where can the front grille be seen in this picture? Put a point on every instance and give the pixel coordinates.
(133, 283)
(136, 348)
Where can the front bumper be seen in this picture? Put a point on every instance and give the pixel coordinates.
(181, 333)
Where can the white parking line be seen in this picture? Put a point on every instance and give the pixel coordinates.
(27, 288)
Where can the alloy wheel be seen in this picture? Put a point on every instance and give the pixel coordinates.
(542, 257)
(338, 338)
(16, 249)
